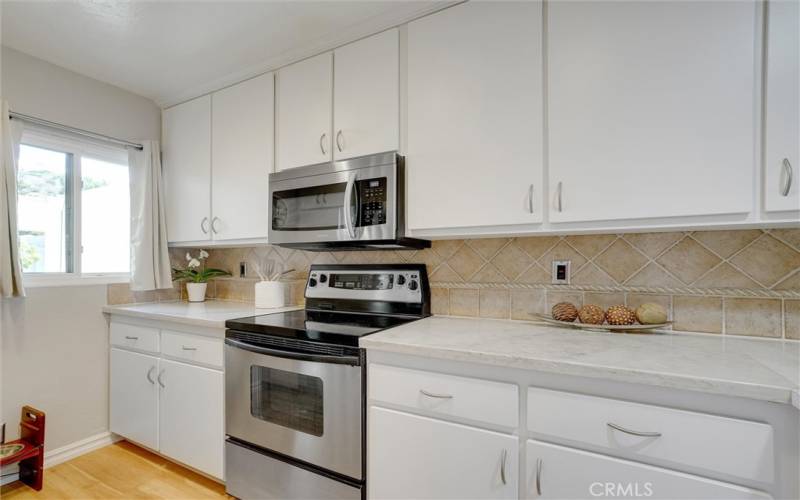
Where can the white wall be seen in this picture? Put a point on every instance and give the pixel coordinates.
(55, 342)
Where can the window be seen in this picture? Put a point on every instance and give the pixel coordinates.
(73, 207)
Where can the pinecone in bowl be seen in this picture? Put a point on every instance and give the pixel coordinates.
(592, 314)
(564, 311)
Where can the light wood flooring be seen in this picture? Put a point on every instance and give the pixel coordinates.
(121, 470)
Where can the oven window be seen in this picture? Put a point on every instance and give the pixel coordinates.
(309, 209)
(287, 399)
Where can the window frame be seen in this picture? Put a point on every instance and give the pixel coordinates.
(77, 148)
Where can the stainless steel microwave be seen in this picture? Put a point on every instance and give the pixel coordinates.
(355, 204)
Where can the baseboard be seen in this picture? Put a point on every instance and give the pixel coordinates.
(67, 452)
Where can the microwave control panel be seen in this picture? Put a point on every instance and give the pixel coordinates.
(372, 197)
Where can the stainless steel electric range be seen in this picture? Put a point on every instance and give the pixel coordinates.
(295, 383)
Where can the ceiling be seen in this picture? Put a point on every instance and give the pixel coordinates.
(171, 51)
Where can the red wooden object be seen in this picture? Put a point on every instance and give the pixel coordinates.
(31, 456)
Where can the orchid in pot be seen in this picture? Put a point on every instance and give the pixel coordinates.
(197, 275)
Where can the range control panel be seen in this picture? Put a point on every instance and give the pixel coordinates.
(338, 282)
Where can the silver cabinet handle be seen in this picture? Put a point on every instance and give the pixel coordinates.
(203, 225)
(214, 225)
(348, 196)
(539, 476)
(434, 395)
(559, 189)
(150, 375)
(503, 456)
(633, 433)
(160, 382)
(339, 141)
(188, 348)
(322, 143)
(530, 198)
(130, 337)
(786, 178)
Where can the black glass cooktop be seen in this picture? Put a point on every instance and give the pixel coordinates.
(317, 326)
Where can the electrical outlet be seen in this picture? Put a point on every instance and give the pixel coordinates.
(242, 269)
(561, 273)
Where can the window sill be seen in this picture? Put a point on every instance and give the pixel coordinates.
(44, 280)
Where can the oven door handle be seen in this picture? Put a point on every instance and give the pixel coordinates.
(348, 198)
(302, 356)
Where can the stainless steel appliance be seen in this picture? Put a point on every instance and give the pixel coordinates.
(295, 383)
(355, 204)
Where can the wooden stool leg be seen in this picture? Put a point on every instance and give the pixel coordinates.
(31, 471)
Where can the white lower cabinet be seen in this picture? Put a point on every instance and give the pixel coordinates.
(134, 397)
(418, 457)
(172, 407)
(561, 472)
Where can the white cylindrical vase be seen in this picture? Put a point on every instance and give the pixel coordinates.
(196, 291)
(270, 294)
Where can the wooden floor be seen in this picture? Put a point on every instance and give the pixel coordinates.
(120, 470)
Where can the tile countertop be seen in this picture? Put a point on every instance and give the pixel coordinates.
(762, 369)
(211, 313)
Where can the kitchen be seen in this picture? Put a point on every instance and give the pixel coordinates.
(401, 249)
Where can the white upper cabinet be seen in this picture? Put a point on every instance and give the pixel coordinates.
(242, 129)
(304, 107)
(782, 137)
(186, 131)
(366, 96)
(651, 109)
(474, 143)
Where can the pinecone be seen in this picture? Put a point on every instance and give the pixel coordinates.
(620, 315)
(564, 311)
(592, 314)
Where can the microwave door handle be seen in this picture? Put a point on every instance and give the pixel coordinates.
(348, 197)
(302, 356)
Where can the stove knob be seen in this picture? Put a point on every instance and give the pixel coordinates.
(401, 280)
(323, 278)
(412, 285)
(312, 282)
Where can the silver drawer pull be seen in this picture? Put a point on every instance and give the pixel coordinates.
(129, 337)
(786, 177)
(161, 382)
(633, 433)
(150, 375)
(434, 395)
(503, 457)
(188, 348)
(539, 476)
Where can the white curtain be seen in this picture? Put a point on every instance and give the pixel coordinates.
(10, 268)
(150, 266)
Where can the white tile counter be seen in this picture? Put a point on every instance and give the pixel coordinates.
(762, 369)
(211, 313)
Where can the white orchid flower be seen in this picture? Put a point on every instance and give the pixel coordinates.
(188, 256)
(193, 263)
(203, 254)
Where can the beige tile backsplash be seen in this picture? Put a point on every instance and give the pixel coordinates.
(727, 282)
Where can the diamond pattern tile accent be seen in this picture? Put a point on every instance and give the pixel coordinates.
(790, 236)
(652, 244)
(446, 248)
(590, 244)
(511, 261)
(620, 260)
(590, 274)
(534, 274)
(725, 276)
(536, 246)
(487, 247)
(767, 260)
(726, 243)
(562, 251)
(688, 260)
(790, 283)
(653, 275)
(444, 273)
(465, 262)
(488, 274)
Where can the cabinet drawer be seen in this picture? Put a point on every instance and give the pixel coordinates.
(717, 444)
(192, 348)
(560, 472)
(141, 338)
(447, 395)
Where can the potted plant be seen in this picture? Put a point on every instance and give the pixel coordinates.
(197, 275)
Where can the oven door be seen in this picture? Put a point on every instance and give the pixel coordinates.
(305, 406)
(352, 200)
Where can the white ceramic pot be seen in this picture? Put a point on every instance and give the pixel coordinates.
(196, 291)
(269, 295)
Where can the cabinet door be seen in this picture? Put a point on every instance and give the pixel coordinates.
(134, 397)
(651, 109)
(242, 134)
(366, 96)
(782, 138)
(475, 116)
(418, 457)
(561, 472)
(191, 425)
(304, 105)
(187, 169)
